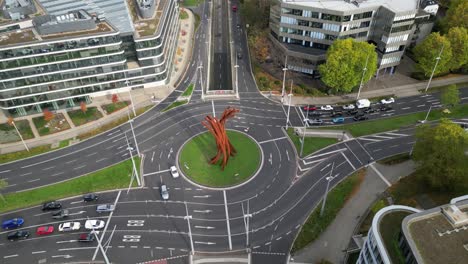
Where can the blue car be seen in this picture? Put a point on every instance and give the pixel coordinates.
(338, 120)
(12, 223)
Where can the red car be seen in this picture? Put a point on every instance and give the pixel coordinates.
(309, 108)
(44, 230)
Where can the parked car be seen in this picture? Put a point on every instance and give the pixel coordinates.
(52, 205)
(44, 230)
(90, 197)
(385, 108)
(63, 213)
(352, 112)
(390, 100)
(336, 114)
(104, 208)
(174, 172)
(360, 118)
(69, 226)
(363, 103)
(315, 113)
(164, 192)
(348, 107)
(12, 223)
(326, 107)
(316, 122)
(21, 234)
(338, 120)
(88, 237)
(94, 224)
(369, 110)
(309, 108)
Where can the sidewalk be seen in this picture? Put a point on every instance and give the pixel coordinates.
(332, 243)
(141, 97)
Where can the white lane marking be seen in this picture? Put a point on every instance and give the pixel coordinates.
(205, 243)
(373, 140)
(10, 256)
(75, 202)
(48, 168)
(58, 173)
(326, 153)
(202, 211)
(349, 162)
(375, 150)
(156, 172)
(26, 174)
(202, 196)
(38, 252)
(381, 137)
(205, 227)
(92, 154)
(380, 175)
(353, 153)
(328, 165)
(405, 108)
(270, 140)
(420, 105)
(227, 219)
(314, 161)
(212, 104)
(71, 249)
(396, 134)
(99, 160)
(34, 180)
(66, 241)
(5, 171)
(77, 168)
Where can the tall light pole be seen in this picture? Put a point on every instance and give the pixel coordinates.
(362, 78)
(12, 122)
(135, 171)
(188, 217)
(435, 66)
(303, 131)
(289, 105)
(237, 77)
(329, 179)
(427, 115)
(201, 79)
(247, 217)
(134, 137)
(284, 77)
(131, 98)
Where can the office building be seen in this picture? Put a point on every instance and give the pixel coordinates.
(304, 29)
(70, 51)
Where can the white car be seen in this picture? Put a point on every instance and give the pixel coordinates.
(69, 226)
(174, 172)
(387, 101)
(164, 192)
(94, 224)
(326, 107)
(348, 107)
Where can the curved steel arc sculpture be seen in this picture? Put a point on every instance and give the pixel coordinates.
(217, 128)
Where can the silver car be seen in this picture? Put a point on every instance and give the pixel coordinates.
(104, 208)
(164, 192)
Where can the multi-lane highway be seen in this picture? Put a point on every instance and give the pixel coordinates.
(261, 217)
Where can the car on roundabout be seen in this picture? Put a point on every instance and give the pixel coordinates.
(69, 226)
(94, 224)
(164, 192)
(12, 223)
(17, 235)
(174, 172)
(44, 230)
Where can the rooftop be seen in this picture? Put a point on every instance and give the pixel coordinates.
(390, 227)
(350, 5)
(101, 27)
(146, 27)
(437, 239)
(39, 12)
(18, 36)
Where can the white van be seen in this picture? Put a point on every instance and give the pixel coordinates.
(363, 103)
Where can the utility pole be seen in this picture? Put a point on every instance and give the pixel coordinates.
(284, 78)
(19, 134)
(435, 66)
(188, 217)
(131, 98)
(362, 78)
(329, 179)
(289, 105)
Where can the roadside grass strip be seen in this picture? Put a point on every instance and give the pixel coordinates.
(175, 104)
(189, 90)
(113, 177)
(311, 144)
(337, 198)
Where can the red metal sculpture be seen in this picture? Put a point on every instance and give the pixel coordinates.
(217, 128)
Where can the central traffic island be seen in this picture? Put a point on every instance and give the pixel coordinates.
(195, 155)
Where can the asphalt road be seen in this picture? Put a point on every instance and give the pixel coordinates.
(263, 216)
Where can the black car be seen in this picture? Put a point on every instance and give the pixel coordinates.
(89, 237)
(90, 197)
(336, 114)
(360, 118)
(53, 205)
(238, 26)
(239, 55)
(21, 234)
(316, 122)
(385, 108)
(60, 214)
(352, 112)
(369, 110)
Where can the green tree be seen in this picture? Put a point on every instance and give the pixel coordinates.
(457, 14)
(450, 96)
(458, 38)
(3, 184)
(345, 63)
(427, 52)
(440, 153)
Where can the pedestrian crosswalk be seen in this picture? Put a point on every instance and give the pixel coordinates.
(382, 136)
(311, 161)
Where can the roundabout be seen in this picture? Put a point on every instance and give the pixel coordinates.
(195, 154)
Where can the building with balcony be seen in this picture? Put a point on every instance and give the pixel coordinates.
(402, 234)
(74, 50)
(304, 29)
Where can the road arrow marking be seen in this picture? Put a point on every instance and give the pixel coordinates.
(152, 157)
(202, 196)
(63, 256)
(205, 243)
(80, 212)
(202, 211)
(66, 241)
(205, 227)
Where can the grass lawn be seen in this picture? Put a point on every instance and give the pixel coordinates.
(79, 118)
(197, 20)
(386, 124)
(311, 144)
(114, 177)
(8, 133)
(441, 88)
(390, 228)
(189, 90)
(111, 108)
(196, 154)
(183, 14)
(57, 124)
(336, 200)
(7, 157)
(190, 2)
(175, 104)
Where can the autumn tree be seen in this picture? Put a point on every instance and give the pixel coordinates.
(440, 153)
(458, 38)
(457, 14)
(115, 98)
(10, 120)
(427, 52)
(346, 60)
(48, 115)
(83, 107)
(450, 96)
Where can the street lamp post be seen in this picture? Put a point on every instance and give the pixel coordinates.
(237, 78)
(19, 134)
(247, 217)
(289, 105)
(362, 78)
(135, 172)
(134, 137)
(284, 78)
(303, 131)
(201, 79)
(435, 66)
(329, 179)
(188, 217)
(131, 98)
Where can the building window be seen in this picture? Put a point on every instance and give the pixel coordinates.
(365, 24)
(362, 15)
(296, 12)
(316, 24)
(331, 17)
(303, 23)
(347, 18)
(362, 34)
(330, 37)
(401, 28)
